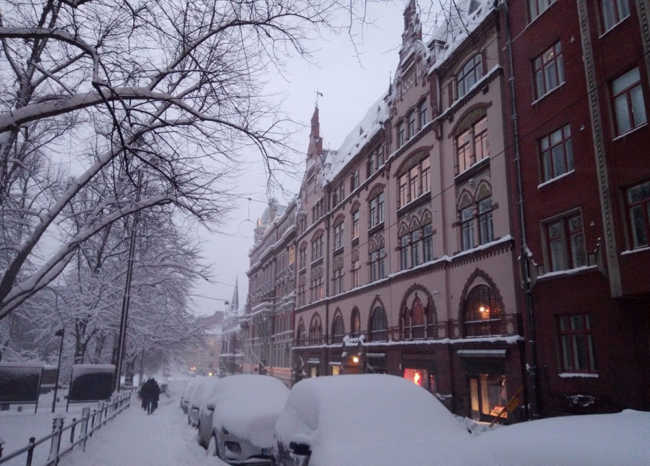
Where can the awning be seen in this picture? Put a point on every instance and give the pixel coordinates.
(481, 353)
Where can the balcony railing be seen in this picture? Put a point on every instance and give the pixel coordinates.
(504, 326)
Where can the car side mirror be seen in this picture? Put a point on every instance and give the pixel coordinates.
(210, 406)
(301, 449)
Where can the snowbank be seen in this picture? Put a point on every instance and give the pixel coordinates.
(370, 419)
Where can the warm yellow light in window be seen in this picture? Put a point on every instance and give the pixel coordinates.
(355, 359)
(483, 309)
(210, 374)
(193, 368)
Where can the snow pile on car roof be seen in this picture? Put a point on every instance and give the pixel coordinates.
(595, 439)
(370, 419)
(248, 406)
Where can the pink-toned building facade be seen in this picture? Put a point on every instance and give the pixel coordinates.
(405, 259)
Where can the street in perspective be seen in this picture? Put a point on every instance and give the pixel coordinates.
(324, 233)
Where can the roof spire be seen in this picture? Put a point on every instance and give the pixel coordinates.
(315, 141)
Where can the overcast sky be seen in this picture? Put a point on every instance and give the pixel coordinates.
(350, 80)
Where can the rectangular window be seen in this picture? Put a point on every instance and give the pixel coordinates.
(404, 252)
(414, 183)
(566, 243)
(376, 210)
(628, 101)
(426, 168)
(537, 7)
(416, 247)
(614, 11)
(576, 343)
(356, 271)
(338, 236)
(411, 124)
(638, 208)
(377, 270)
(485, 229)
(355, 224)
(556, 153)
(354, 180)
(467, 228)
(337, 281)
(401, 135)
(427, 243)
(549, 70)
(403, 190)
(422, 114)
(472, 145)
(471, 72)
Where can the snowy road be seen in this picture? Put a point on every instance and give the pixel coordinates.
(135, 439)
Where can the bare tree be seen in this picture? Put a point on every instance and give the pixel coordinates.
(171, 85)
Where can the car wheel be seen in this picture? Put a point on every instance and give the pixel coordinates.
(213, 447)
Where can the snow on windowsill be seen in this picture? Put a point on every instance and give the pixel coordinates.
(578, 375)
(634, 251)
(559, 177)
(613, 26)
(560, 273)
(461, 100)
(503, 239)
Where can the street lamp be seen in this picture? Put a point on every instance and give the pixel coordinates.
(59, 333)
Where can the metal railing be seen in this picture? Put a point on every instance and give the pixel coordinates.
(89, 423)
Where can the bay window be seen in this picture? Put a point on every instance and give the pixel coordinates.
(469, 75)
(576, 346)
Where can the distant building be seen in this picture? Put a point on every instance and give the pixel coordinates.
(267, 320)
(205, 360)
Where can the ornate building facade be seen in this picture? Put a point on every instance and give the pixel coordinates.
(405, 252)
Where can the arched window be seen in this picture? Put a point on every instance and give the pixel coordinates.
(417, 319)
(466, 217)
(355, 323)
(482, 312)
(300, 333)
(315, 330)
(378, 328)
(338, 328)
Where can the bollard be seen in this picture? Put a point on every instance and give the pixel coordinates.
(85, 416)
(72, 429)
(55, 443)
(30, 452)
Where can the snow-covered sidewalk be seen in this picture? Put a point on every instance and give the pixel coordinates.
(136, 439)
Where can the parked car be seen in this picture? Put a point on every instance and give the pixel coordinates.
(238, 419)
(184, 399)
(594, 439)
(194, 399)
(369, 419)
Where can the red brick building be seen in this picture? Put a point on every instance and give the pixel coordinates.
(579, 143)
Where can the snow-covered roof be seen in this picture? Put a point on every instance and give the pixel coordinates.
(363, 131)
(460, 20)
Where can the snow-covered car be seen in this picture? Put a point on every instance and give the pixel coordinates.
(369, 419)
(184, 399)
(595, 439)
(242, 414)
(194, 400)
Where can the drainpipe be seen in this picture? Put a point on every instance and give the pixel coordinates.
(530, 376)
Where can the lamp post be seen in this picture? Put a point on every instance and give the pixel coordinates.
(59, 333)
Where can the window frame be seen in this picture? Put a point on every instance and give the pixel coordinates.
(541, 66)
(422, 114)
(618, 17)
(565, 241)
(644, 204)
(569, 347)
(627, 93)
(467, 152)
(376, 210)
(472, 69)
(538, 12)
(547, 160)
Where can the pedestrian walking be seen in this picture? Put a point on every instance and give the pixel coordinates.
(155, 395)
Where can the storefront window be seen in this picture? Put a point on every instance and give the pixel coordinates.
(488, 395)
(421, 377)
